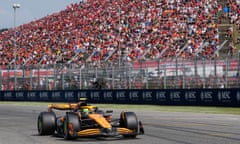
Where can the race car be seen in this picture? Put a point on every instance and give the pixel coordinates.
(83, 120)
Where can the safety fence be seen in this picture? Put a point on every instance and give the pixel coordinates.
(159, 74)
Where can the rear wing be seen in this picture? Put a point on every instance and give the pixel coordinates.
(70, 106)
(67, 106)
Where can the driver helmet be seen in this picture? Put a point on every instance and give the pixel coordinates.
(85, 112)
(82, 102)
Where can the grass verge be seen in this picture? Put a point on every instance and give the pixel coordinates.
(193, 109)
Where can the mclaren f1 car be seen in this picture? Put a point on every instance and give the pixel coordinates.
(82, 120)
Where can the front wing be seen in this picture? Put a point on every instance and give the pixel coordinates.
(105, 132)
(102, 132)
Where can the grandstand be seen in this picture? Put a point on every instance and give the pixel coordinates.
(107, 31)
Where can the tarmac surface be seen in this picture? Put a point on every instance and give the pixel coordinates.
(18, 125)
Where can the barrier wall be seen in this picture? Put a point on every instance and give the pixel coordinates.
(197, 97)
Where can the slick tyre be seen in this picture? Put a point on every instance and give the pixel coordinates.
(129, 120)
(46, 123)
(73, 119)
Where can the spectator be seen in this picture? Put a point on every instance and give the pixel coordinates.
(238, 40)
(226, 11)
(106, 30)
(231, 49)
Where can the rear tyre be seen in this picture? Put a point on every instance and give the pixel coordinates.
(129, 120)
(71, 118)
(46, 123)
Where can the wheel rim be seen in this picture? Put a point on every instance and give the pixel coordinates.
(39, 126)
(65, 128)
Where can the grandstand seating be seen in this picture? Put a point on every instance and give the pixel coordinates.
(105, 30)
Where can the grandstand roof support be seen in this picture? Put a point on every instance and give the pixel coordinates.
(15, 6)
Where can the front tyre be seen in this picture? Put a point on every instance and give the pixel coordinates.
(73, 120)
(46, 123)
(129, 120)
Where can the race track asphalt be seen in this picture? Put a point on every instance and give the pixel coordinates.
(18, 125)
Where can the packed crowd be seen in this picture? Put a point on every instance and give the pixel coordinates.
(232, 11)
(105, 30)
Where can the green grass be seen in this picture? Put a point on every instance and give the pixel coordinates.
(236, 34)
(193, 109)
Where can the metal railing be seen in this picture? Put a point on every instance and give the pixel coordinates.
(161, 74)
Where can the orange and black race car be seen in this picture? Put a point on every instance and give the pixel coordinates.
(83, 120)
